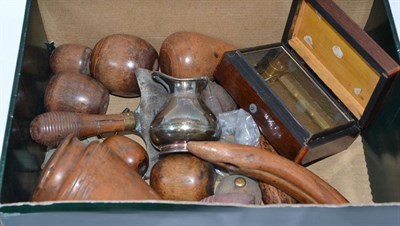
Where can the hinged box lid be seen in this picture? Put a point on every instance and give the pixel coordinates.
(341, 54)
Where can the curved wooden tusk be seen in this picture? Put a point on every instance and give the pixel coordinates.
(294, 179)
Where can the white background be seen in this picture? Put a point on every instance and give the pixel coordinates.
(11, 19)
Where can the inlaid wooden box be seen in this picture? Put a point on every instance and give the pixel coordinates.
(312, 93)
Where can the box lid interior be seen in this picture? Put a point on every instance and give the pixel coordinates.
(336, 53)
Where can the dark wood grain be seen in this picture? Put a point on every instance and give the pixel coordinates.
(270, 125)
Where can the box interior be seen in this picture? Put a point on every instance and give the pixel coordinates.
(242, 23)
(307, 102)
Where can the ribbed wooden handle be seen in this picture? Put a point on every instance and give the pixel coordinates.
(297, 181)
(51, 128)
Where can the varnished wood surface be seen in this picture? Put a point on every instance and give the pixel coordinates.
(133, 154)
(90, 172)
(270, 125)
(71, 57)
(190, 54)
(114, 59)
(51, 128)
(182, 177)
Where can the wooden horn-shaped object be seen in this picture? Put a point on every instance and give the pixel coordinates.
(257, 163)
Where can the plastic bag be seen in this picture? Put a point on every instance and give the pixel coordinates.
(217, 99)
(239, 127)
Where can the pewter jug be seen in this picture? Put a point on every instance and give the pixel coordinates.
(184, 117)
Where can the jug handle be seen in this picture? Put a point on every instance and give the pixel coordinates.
(163, 79)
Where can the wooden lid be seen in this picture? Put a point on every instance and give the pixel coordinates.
(342, 55)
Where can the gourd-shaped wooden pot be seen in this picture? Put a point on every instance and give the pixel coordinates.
(90, 172)
(189, 54)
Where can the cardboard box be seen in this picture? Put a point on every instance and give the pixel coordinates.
(241, 23)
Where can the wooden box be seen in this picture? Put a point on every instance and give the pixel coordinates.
(312, 93)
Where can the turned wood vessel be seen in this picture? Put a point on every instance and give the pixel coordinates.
(71, 57)
(76, 93)
(190, 54)
(90, 172)
(114, 59)
(182, 177)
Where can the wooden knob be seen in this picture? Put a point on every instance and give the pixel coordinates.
(76, 93)
(74, 58)
(114, 59)
(189, 54)
(182, 177)
(130, 151)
